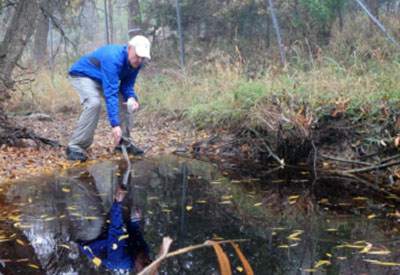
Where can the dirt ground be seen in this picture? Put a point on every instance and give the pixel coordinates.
(155, 136)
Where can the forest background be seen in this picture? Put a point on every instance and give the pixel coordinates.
(332, 80)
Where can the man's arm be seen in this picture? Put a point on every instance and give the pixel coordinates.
(110, 83)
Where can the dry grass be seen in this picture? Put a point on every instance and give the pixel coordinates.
(46, 93)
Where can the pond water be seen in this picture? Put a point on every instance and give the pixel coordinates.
(288, 229)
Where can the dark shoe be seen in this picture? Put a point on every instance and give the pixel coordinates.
(131, 149)
(72, 155)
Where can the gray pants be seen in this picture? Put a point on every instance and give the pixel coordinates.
(90, 93)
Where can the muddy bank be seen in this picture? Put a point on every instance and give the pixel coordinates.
(333, 144)
(365, 153)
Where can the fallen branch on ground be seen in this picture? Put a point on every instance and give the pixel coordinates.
(222, 257)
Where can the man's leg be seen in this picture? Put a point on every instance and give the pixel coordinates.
(125, 118)
(90, 94)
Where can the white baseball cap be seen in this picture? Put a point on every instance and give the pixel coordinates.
(142, 45)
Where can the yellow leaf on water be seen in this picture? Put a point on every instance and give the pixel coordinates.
(25, 226)
(166, 210)
(361, 241)
(91, 218)
(257, 204)
(389, 263)
(20, 242)
(342, 258)
(283, 246)
(154, 198)
(278, 181)
(366, 248)
(66, 190)
(309, 270)
(71, 208)
(188, 207)
(294, 197)
(379, 252)
(227, 197)
(239, 268)
(329, 255)
(201, 201)
(332, 229)
(14, 218)
(33, 266)
(76, 214)
(360, 198)
(123, 237)
(293, 238)
(50, 219)
(324, 201)
(225, 202)
(297, 233)
(382, 263)
(322, 262)
(96, 261)
(278, 228)
(292, 202)
(150, 212)
(371, 216)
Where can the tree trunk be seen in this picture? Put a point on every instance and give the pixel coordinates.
(339, 11)
(134, 18)
(17, 36)
(268, 30)
(42, 29)
(40, 38)
(373, 6)
(111, 20)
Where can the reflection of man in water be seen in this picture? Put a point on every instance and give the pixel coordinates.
(118, 249)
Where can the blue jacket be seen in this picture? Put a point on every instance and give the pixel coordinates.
(109, 65)
(116, 252)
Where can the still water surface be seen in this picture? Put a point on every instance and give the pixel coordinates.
(288, 228)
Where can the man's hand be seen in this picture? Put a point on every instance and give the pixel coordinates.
(116, 134)
(132, 105)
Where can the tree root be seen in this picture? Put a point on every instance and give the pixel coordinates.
(10, 136)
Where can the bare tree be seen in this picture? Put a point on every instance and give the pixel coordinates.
(15, 39)
(134, 18)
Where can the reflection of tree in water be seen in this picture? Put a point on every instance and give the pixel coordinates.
(163, 188)
(53, 216)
